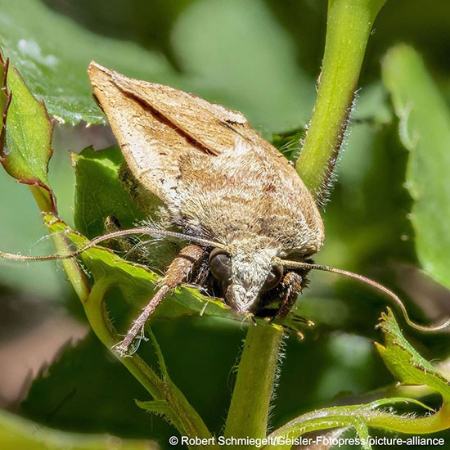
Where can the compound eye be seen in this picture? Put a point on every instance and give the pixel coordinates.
(273, 279)
(220, 265)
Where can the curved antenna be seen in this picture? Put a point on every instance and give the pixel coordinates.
(115, 234)
(374, 284)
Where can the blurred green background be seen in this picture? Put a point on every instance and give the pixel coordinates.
(261, 57)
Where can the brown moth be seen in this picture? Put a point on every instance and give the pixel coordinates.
(218, 180)
(226, 189)
(250, 221)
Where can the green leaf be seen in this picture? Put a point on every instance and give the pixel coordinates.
(424, 129)
(158, 407)
(4, 99)
(404, 361)
(25, 155)
(137, 282)
(18, 433)
(26, 150)
(99, 193)
(52, 52)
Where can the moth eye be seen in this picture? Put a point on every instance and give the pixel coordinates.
(273, 279)
(220, 265)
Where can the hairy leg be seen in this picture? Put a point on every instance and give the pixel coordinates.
(291, 286)
(179, 271)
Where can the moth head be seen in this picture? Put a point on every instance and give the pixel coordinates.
(244, 273)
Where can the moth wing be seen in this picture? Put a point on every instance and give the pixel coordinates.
(156, 126)
(212, 127)
(151, 147)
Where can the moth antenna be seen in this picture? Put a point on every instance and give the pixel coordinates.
(374, 284)
(115, 234)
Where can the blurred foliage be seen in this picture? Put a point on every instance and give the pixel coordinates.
(424, 128)
(52, 53)
(261, 57)
(17, 433)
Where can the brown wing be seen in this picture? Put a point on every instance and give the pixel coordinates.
(156, 126)
(211, 126)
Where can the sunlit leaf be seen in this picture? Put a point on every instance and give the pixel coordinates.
(406, 363)
(52, 52)
(26, 149)
(25, 152)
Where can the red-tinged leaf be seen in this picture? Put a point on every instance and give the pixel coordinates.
(5, 99)
(25, 136)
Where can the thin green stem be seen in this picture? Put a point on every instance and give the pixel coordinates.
(345, 416)
(183, 416)
(349, 24)
(188, 421)
(250, 404)
(433, 423)
(74, 273)
(98, 319)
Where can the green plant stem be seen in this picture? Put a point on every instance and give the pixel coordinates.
(74, 273)
(340, 417)
(183, 415)
(249, 410)
(433, 423)
(349, 23)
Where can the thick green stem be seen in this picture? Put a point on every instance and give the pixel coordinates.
(349, 24)
(250, 404)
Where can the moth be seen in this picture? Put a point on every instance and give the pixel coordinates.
(219, 181)
(250, 223)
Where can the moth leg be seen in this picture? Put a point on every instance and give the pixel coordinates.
(276, 304)
(178, 272)
(291, 286)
